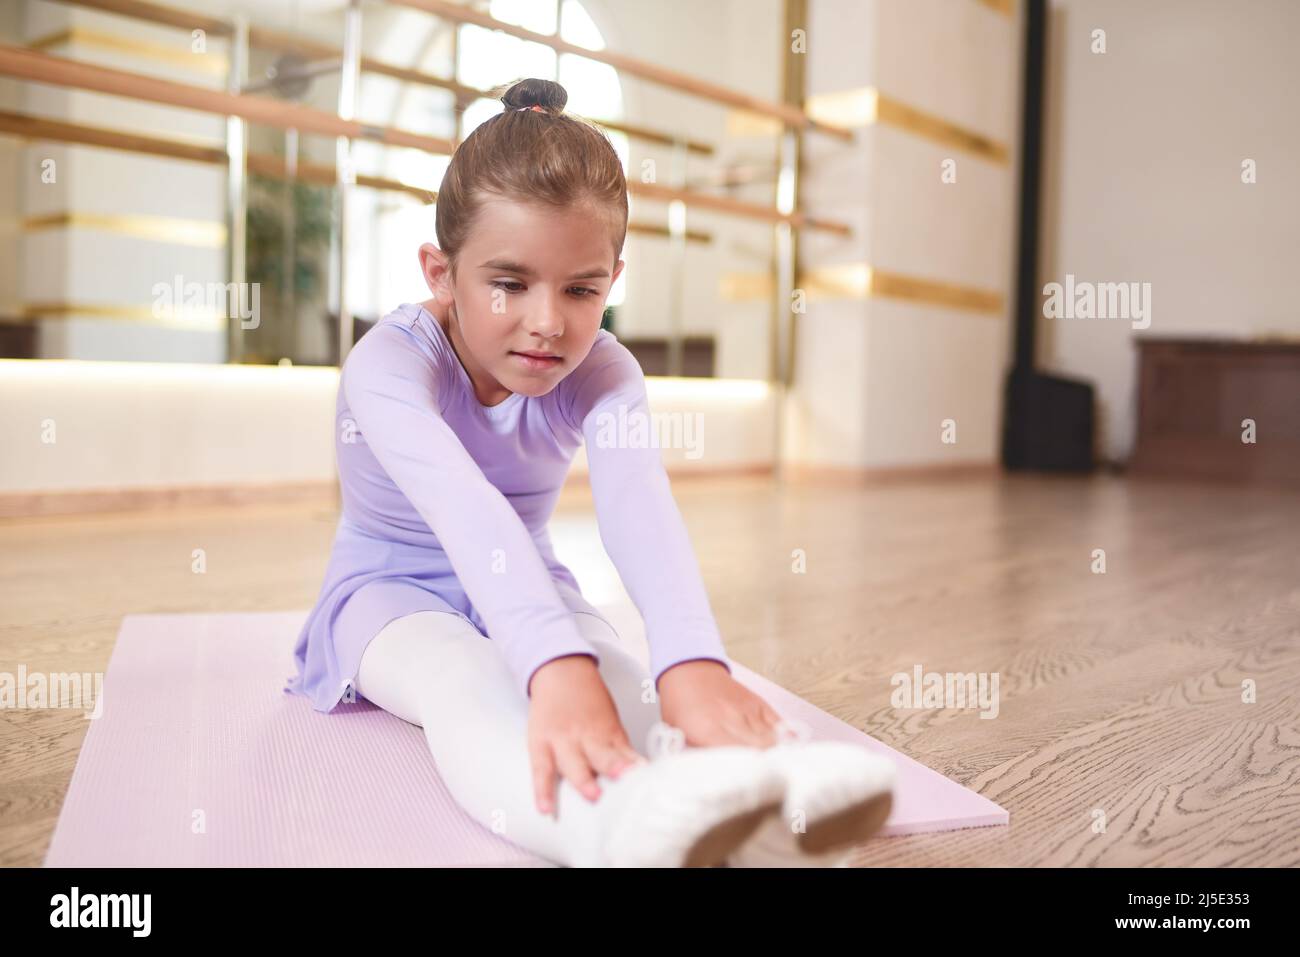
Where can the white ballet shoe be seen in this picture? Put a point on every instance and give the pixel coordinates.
(686, 807)
(837, 796)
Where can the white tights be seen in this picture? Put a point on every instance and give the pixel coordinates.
(436, 670)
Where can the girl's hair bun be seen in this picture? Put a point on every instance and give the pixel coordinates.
(547, 94)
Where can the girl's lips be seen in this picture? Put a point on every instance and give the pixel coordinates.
(535, 362)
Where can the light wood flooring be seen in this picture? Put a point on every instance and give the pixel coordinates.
(1120, 693)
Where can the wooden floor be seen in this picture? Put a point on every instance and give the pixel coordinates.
(1120, 693)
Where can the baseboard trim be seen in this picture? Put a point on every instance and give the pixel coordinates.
(679, 473)
(90, 501)
(875, 475)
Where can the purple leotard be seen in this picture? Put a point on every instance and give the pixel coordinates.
(445, 504)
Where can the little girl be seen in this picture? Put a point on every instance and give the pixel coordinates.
(443, 602)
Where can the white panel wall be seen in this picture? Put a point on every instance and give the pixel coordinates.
(919, 364)
(1142, 178)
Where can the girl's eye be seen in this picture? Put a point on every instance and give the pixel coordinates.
(585, 292)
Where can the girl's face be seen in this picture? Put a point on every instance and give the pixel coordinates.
(530, 279)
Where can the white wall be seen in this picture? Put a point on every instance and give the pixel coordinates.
(1143, 178)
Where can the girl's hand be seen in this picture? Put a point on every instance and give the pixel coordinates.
(712, 708)
(573, 726)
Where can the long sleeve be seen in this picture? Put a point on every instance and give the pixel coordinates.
(391, 388)
(640, 524)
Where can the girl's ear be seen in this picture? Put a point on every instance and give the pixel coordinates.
(437, 275)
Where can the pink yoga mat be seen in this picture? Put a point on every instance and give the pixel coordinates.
(200, 759)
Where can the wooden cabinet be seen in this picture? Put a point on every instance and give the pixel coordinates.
(1198, 399)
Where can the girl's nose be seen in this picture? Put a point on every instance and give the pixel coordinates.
(545, 319)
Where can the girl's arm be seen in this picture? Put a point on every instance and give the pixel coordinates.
(640, 525)
(391, 388)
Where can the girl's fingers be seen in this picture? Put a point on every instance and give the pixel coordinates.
(576, 769)
(763, 736)
(738, 730)
(612, 760)
(764, 729)
(601, 757)
(766, 722)
(543, 778)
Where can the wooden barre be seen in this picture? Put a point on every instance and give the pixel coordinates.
(43, 68)
(268, 165)
(269, 39)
